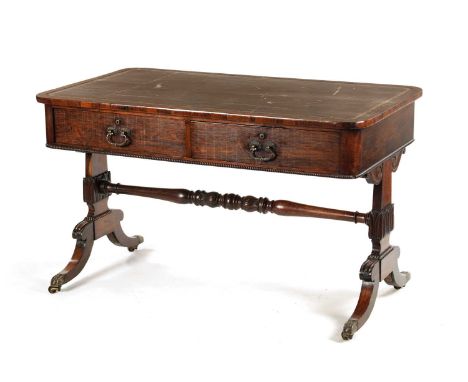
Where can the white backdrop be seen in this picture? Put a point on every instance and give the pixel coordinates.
(215, 295)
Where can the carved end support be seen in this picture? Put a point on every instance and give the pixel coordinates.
(92, 193)
(375, 175)
(380, 222)
(396, 159)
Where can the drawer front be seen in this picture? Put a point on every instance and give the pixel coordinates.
(119, 133)
(267, 147)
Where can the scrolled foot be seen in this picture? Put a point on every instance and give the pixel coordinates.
(363, 309)
(140, 240)
(349, 329)
(398, 279)
(83, 233)
(112, 228)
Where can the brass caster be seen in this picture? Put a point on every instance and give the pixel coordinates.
(56, 283)
(54, 289)
(407, 276)
(140, 239)
(403, 278)
(349, 329)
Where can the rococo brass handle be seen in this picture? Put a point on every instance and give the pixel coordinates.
(122, 134)
(263, 152)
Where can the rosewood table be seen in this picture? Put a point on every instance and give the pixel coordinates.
(322, 128)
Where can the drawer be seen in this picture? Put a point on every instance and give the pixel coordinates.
(301, 150)
(119, 133)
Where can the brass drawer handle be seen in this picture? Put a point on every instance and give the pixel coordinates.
(263, 152)
(122, 133)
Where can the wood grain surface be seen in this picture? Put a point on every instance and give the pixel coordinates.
(237, 98)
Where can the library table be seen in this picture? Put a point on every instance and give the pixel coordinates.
(322, 128)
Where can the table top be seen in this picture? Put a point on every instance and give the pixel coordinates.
(328, 104)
